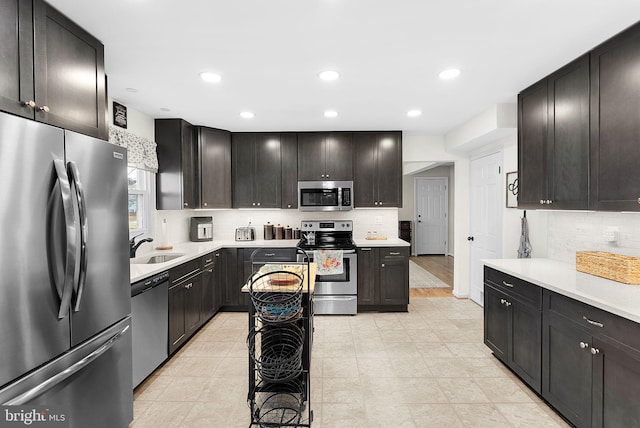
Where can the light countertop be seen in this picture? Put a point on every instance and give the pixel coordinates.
(192, 250)
(611, 296)
(394, 242)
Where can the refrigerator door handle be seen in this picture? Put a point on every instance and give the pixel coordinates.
(64, 374)
(74, 175)
(65, 290)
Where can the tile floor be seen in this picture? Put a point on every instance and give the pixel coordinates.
(424, 368)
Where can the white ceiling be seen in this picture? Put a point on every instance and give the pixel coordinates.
(388, 52)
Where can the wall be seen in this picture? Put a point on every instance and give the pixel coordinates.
(407, 212)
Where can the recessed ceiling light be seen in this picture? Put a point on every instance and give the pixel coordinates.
(247, 115)
(165, 109)
(329, 75)
(450, 73)
(330, 113)
(134, 90)
(210, 77)
(414, 113)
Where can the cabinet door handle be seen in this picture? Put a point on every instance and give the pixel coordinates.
(541, 201)
(595, 351)
(210, 270)
(393, 253)
(204, 204)
(32, 104)
(186, 204)
(375, 203)
(189, 285)
(584, 345)
(596, 323)
(208, 260)
(44, 109)
(217, 254)
(382, 265)
(506, 284)
(365, 249)
(269, 254)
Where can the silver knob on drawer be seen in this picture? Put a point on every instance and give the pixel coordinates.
(595, 351)
(584, 345)
(43, 109)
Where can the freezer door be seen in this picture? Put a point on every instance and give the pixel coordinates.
(91, 385)
(30, 332)
(98, 175)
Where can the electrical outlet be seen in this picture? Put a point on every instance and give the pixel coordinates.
(610, 234)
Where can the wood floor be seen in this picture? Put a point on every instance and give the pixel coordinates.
(439, 266)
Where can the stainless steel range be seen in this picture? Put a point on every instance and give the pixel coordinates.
(336, 291)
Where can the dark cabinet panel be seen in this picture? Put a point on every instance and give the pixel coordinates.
(325, 156)
(616, 384)
(383, 278)
(52, 70)
(615, 128)
(69, 74)
(177, 173)
(394, 276)
(289, 149)
(566, 365)
(377, 169)
(513, 324)
(553, 140)
(367, 274)
(214, 152)
(496, 323)
(532, 143)
(16, 51)
(234, 298)
(193, 304)
(257, 170)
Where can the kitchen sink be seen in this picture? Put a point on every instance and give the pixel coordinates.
(158, 258)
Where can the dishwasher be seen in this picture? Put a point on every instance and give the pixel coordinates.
(150, 325)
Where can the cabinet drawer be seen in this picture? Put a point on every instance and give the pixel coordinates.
(596, 321)
(514, 286)
(394, 252)
(179, 273)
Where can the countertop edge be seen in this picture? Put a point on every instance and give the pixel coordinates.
(561, 277)
(193, 250)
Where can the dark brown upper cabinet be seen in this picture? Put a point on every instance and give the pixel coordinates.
(615, 123)
(553, 140)
(257, 170)
(377, 169)
(289, 149)
(325, 156)
(177, 170)
(214, 162)
(52, 70)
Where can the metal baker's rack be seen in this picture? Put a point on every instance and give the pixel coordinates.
(279, 339)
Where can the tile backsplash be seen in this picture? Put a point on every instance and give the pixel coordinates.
(569, 232)
(225, 222)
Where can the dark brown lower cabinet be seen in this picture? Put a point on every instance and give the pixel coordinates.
(185, 310)
(234, 300)
(512, 329)
(567, 367)
(616, 384)
(591, 364)
(383, 279)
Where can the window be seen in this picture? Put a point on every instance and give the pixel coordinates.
(139, 200)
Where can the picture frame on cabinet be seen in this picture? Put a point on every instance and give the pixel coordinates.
(512, 189)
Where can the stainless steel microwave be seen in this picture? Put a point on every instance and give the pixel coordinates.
(325, 195)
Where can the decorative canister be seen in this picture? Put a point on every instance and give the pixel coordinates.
(279, 232)
(288, 232)
(268, 231)
(296, 233)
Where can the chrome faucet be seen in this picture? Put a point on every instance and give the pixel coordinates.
(133, 247)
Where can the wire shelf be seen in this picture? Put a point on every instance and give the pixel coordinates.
(277, 351)
(277, 295)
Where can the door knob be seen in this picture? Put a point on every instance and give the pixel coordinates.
(469, 238)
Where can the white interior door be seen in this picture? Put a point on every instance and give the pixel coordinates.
(432, 215)
(485, 231)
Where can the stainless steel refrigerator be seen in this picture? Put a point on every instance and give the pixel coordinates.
(65, 297)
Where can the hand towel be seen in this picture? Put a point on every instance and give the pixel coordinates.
(329, 262)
